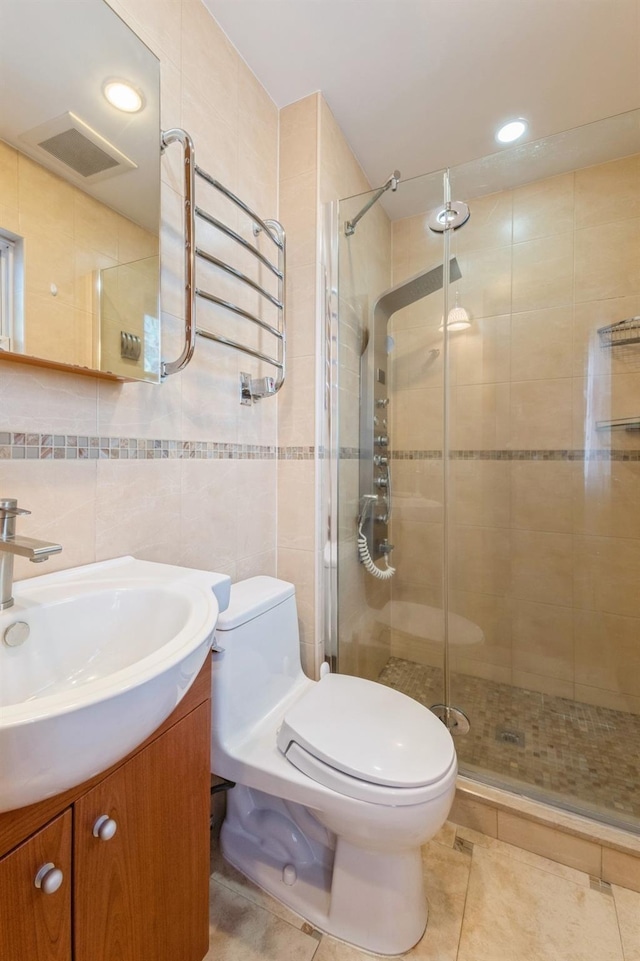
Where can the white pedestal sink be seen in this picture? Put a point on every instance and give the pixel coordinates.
(111, 648)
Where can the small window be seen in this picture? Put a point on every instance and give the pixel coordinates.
(10, 292)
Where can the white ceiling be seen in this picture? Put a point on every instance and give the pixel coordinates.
(423, 84)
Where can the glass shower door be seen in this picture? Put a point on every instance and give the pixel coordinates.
(543, 527)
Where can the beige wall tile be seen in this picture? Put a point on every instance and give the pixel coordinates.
(610, 699)
(606, 498)
(542, 567)
(480, 355)
(485, 286)
(606, 260)
(299, 211)
(418, 548)
(298, 567)
(296, 504)
(301, 306)
(146, 522)
(8, 176)
(492, 614)
(606, 571)
(160, 21)
(608, 192)
(416, 419)
(209, 60)
(607, 652)
(543, 684)
(541, 344)
(209, 515)
(257, 521)
(543, 273)
(480, 417)
(543, 639)
(490, 224)
(543, 208)
(541, 414)
(340, 173)
(472, 667)
(542, 495)
(480, 560)
(480, 493)
(296, 404)
(44, 400)
(62, 499)
(254, 565)
(299, 137)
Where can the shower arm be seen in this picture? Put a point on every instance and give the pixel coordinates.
(391, 184)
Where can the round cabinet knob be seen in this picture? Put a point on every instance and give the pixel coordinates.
(49, 878)
(104, 828)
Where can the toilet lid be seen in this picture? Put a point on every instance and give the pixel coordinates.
(368, 731)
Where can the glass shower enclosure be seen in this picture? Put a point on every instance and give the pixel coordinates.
(483, 432)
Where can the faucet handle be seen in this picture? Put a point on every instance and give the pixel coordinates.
(9, 507)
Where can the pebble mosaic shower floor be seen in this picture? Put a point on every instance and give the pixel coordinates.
(579, 756)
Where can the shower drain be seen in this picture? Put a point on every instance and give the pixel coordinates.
(507, 736)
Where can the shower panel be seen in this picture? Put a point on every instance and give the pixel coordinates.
(376, 496)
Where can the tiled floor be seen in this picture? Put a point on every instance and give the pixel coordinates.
(586, 756)
(488, 901)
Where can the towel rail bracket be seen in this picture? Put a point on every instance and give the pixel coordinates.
(253, 389)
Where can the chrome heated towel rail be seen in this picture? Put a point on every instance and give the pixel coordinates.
(195, 252)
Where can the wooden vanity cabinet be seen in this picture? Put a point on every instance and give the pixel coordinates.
(35, 926)
(141, 894)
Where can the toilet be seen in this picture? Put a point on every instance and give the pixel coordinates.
(338, 782)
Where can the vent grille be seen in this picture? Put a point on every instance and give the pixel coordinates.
(68, 145)
(74, 150)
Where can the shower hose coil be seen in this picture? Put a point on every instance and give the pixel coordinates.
(383, 574)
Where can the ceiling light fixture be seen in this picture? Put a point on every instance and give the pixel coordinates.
(123, 96)
(512, 130)
(458, 318)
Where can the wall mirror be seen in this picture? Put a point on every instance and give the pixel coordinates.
(79, 190)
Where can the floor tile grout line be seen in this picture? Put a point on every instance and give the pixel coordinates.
(464, 907)
(615, 908)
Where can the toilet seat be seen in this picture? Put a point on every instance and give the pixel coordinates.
(398, 757)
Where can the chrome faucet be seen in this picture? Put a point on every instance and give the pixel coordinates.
(10, 545)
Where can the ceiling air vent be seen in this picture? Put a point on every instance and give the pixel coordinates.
(71, 145)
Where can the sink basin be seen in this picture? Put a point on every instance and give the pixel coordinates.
(111, 649)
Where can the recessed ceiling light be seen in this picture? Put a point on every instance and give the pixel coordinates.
(123, 96)
(511, 131)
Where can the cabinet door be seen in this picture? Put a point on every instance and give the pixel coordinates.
(35, 925)
(144, 892)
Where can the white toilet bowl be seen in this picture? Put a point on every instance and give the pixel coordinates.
(338, 782)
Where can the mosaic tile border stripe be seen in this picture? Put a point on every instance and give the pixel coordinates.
(521, 455)
(32, 446)
(353, 453)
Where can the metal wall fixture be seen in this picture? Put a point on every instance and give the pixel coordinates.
(390, 184)
(252, 389)
(622, 334)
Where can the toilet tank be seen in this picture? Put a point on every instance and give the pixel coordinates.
(261, 659)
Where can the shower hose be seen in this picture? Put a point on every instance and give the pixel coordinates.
(383, 574)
